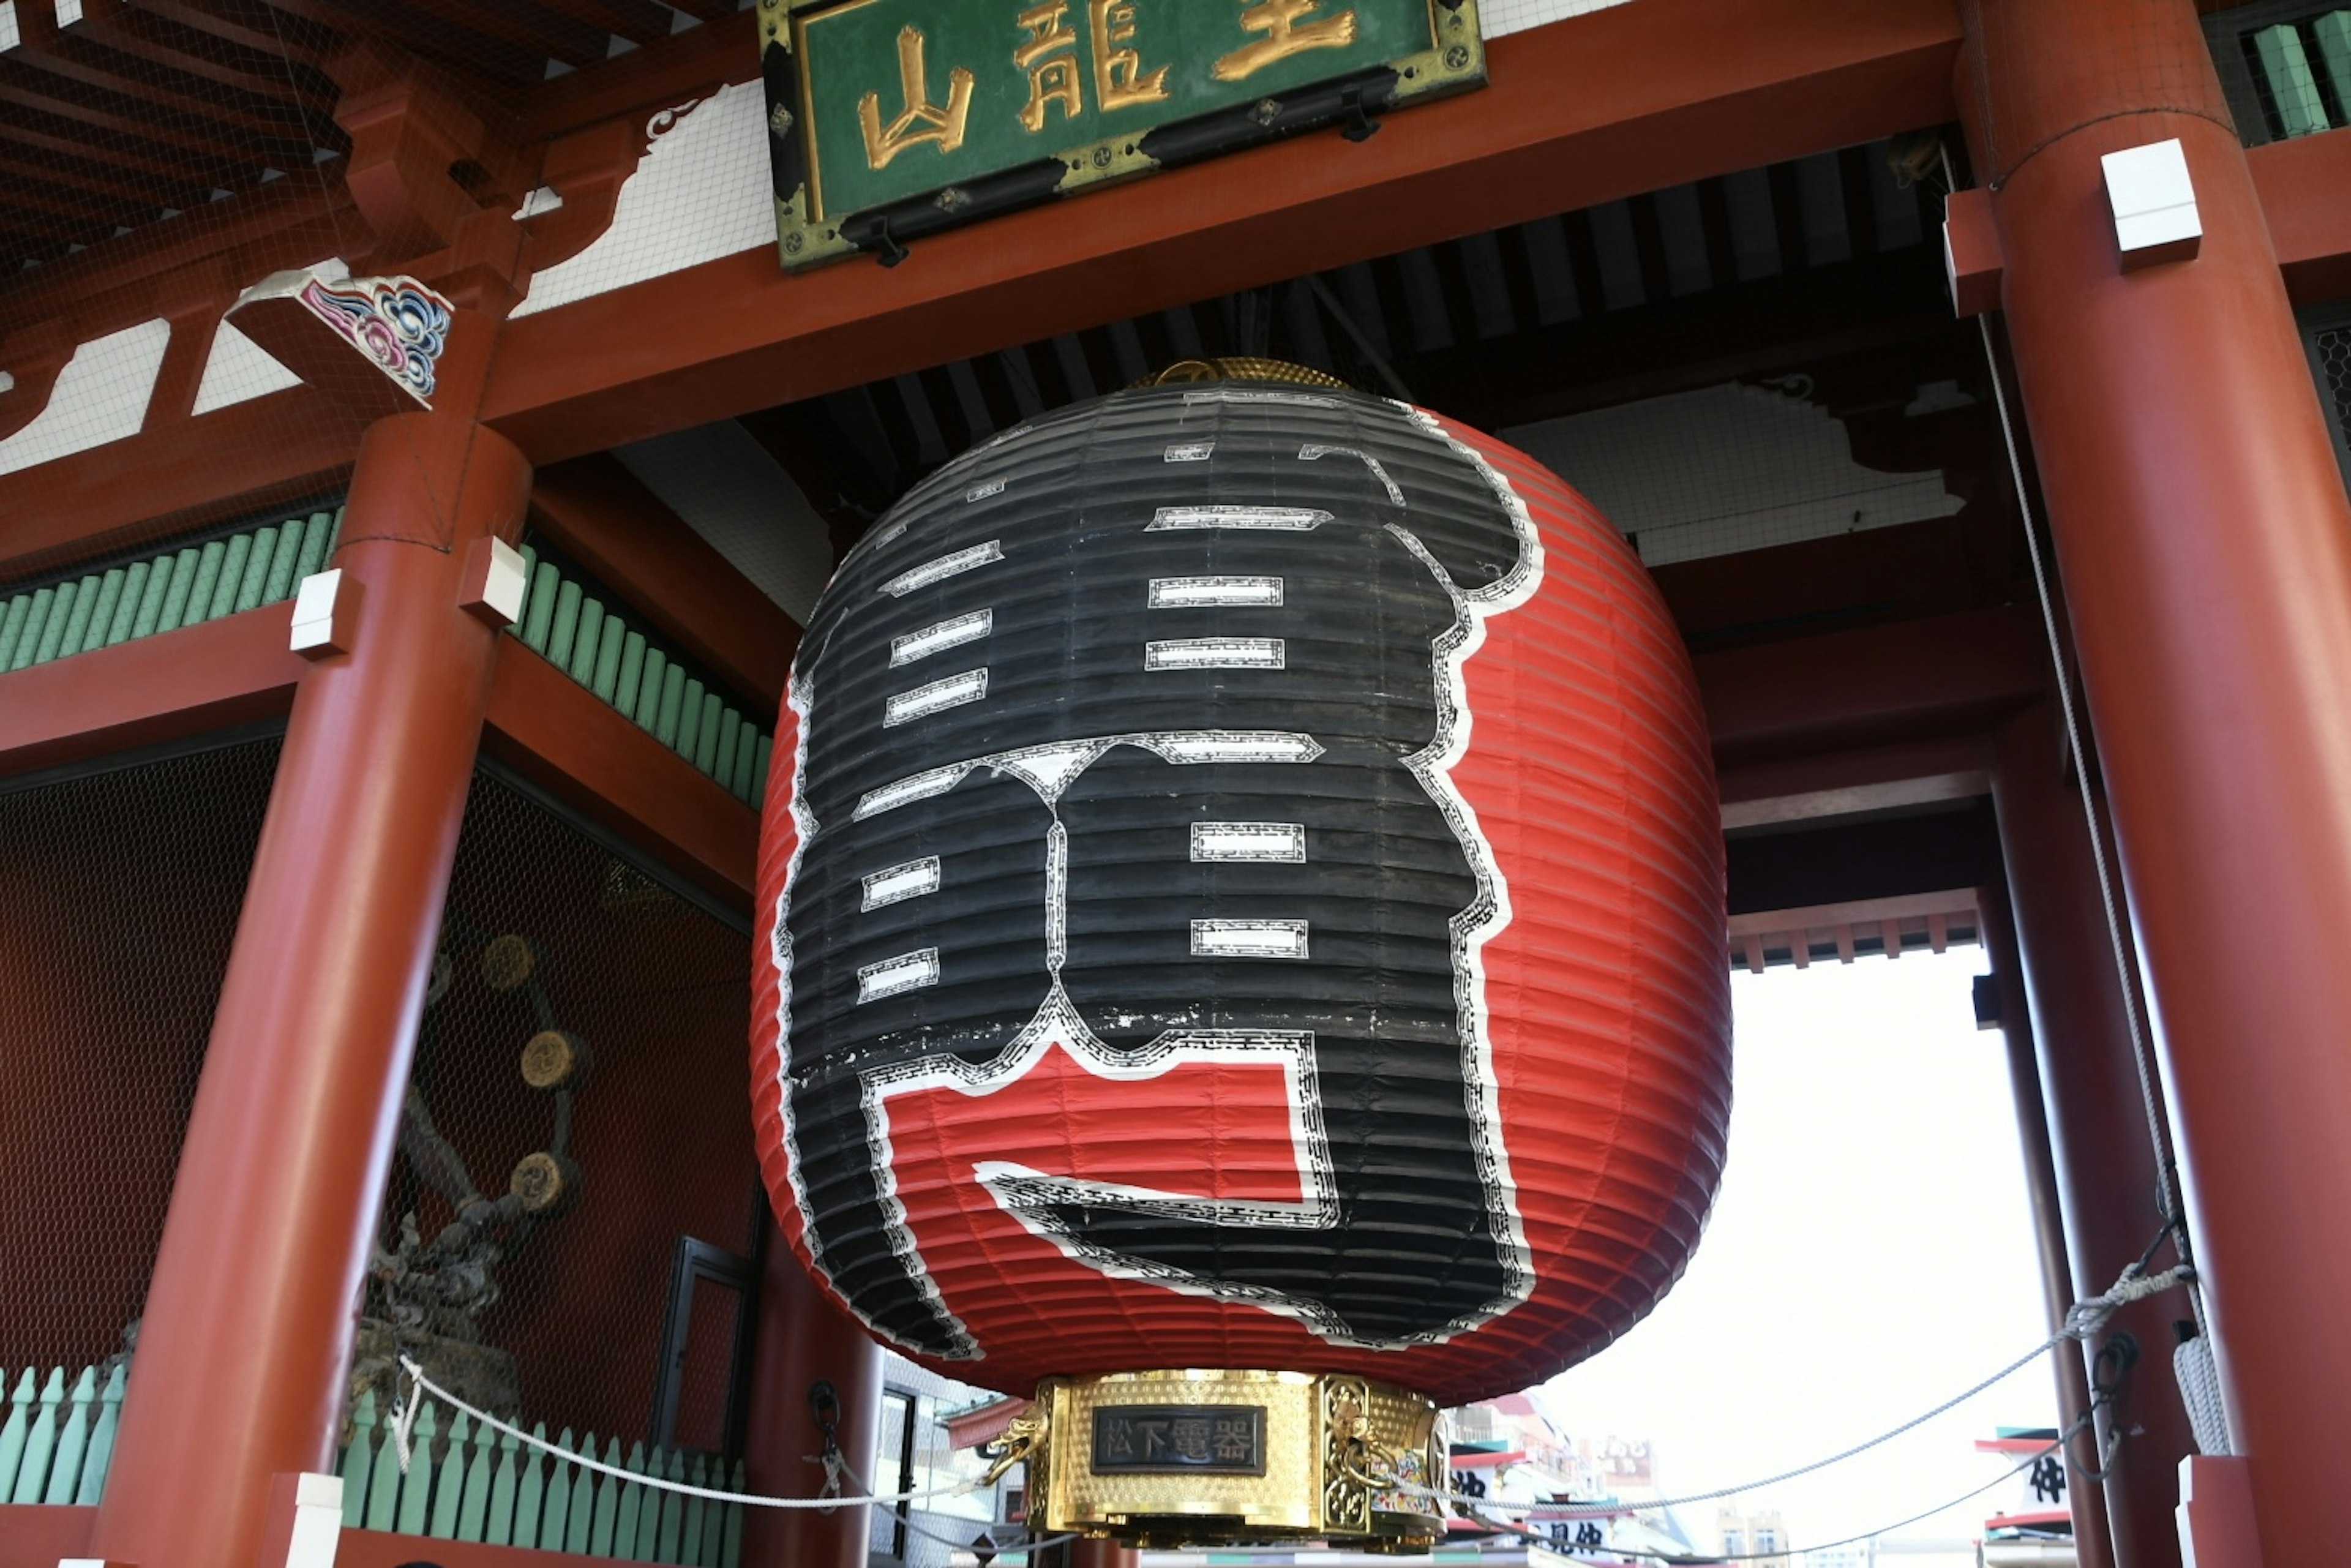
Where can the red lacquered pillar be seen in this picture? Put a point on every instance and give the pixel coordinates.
(2093, 1544)
(247, 1332)
(2205, 541)
(802, 1339)
(2097, 1122)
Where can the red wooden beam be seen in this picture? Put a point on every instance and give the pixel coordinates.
(599, 514)
(2303, 184)
(557, 735)
(1628, 99)
(1884, 685)
(284, 447)
(198, 678)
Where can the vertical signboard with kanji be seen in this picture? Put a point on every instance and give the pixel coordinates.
(889, 119)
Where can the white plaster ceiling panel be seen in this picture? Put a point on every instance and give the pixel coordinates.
(100, 396)
(1496, 18)
(702, 191)
(1728, 468)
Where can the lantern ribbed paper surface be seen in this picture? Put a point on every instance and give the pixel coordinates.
(1245, 892)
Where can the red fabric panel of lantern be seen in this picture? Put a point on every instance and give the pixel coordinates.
(1092, 1188)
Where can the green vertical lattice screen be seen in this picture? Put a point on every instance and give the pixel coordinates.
(645, 681)
(165, 592)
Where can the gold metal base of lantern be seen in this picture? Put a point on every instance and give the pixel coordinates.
(1202, 1458)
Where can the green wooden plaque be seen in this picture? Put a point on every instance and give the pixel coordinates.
(889, 119)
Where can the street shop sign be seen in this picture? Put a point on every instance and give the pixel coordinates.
(890, 119)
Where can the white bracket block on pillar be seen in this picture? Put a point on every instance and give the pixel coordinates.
(325, 608)
(2154, 203)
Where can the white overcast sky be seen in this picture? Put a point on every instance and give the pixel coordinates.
(1871, 1255)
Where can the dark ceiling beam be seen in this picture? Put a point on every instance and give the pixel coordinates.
(255, 26)
(662, 73)
(72, 174)
(96, 64)
(39, 129)
(638, 21)
(169, 46)
(1701, 339)
(49, 93)
(529, 29)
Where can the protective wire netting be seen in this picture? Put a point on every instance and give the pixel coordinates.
(118, 898)
(2330, 350)
(2038, 73)
(569, 1222)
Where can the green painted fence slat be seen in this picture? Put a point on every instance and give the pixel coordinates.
(207, 584)
(689, 720)
(646, 710)
(673, 1512)
(730, 1549)
(648, 1511)
(632, 670)
(532, 1496)
(722, 747)
(73, 1437)
(279, 583)
(582, 667)
(476, 1506)
(499, 1529)
(40, 1439)
(13, 1431)
(416, 1485)
(126, 608)
(77, 625)
(673, 707)
(713, 1518)
(759, 771)
(316, 535)
(231, 582)
(689, 1545)
(604, 678)
(12, 622)
(583, 1517)
(253, 582)
(175, 597)
(539, 618)
(356, 1457)
(383, 1481)
(29, 637)
(566, 630)
(558, 1513)
(632, 1502)
(706, 745)
(60, 616)
(101, 614)
(608, 1502)
(746, 760)
(450, 1484)
(150, 602)
(101, 1456)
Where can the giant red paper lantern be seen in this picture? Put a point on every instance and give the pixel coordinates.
(1242, 887)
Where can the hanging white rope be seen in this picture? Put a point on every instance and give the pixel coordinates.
(423, 1384)
(2086, 1319)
